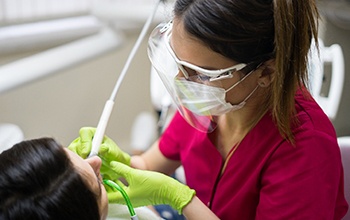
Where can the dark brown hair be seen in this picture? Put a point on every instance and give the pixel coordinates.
(38, 181)
(257, 30)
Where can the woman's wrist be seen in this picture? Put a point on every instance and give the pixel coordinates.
(196, 210)
(137, 162)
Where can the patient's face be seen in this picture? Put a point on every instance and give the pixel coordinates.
(90, 170)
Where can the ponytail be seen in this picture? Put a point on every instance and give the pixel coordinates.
(296, 23)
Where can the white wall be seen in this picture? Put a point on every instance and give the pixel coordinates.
(59, 105)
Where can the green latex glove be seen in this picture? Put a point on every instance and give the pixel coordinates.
(149, 188)
(109, 151)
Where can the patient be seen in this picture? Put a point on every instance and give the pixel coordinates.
(39, 179)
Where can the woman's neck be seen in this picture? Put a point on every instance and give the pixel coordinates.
(234, 126)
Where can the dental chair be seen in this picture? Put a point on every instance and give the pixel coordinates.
(330, 101)
(328, 56)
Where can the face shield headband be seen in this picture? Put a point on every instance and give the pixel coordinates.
(167, 65)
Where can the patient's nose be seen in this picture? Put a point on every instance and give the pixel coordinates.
(95, 162)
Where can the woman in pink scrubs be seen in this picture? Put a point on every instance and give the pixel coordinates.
(252, 141)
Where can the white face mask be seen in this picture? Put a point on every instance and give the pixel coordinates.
(198, 95)
(202, 99)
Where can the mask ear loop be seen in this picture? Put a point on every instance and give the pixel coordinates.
(248, 74)
(125, 196)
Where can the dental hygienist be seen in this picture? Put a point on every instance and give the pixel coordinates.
(252, 141)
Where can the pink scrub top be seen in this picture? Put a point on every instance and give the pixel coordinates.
(266, 177)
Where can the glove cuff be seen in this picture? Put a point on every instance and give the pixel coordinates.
(186, 198)
(182, 195)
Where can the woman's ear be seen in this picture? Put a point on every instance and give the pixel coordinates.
(267, 73)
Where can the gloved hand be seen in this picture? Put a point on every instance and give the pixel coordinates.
(109, 151)
(149, 188)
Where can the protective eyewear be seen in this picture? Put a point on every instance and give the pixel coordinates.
(167, 68)
(191, 71)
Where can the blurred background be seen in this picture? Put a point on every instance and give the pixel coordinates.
(60, 59)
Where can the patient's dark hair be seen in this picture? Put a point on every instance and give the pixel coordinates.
(38, 181)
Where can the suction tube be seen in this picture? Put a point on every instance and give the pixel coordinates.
(125, 196)
(102, 125)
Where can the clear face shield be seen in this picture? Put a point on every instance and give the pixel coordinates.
(187, 90)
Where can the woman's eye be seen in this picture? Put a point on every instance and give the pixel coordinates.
(195, 74)
(203, 77)
(190, 71)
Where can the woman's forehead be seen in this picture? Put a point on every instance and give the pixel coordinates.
(188, 48)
